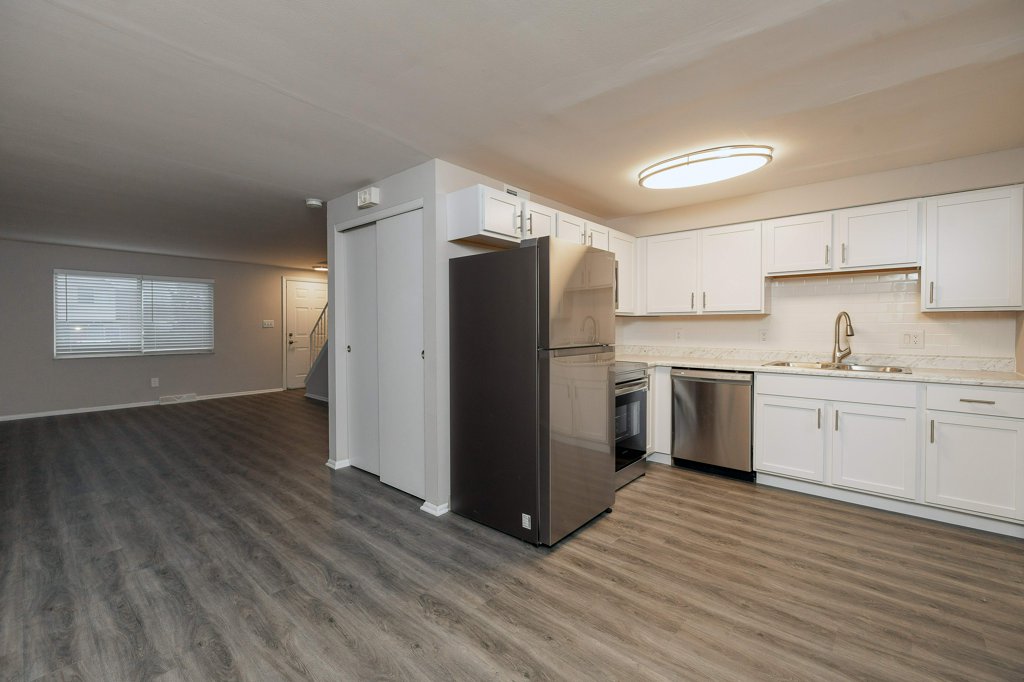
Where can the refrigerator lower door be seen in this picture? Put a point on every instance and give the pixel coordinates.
(577, 439)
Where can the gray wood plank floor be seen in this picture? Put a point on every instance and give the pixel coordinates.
(208, 541)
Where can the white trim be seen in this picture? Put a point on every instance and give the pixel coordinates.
(435, 509)
(317, 397)
(339, 463)
(125, 406)
(397, 209)
(899, 506)
(659, 458)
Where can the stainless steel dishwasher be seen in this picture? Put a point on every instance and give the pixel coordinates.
(711, 416)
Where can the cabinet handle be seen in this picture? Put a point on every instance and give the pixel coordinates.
(692, 304)
(826, 254)
(705, 299)
(844, 252)
(932, 437)
(837, 420)
(590, 239)
(819, 419)
(979, 402)
(616, 284)
(518, 229)
(529, 222)
(931, 292)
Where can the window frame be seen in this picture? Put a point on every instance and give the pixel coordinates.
(140, 279)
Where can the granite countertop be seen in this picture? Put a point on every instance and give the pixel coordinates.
(975, 377)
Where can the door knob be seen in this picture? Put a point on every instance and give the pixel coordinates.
(290, 342)
(348, 348)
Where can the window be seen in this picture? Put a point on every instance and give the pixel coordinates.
(97, 314)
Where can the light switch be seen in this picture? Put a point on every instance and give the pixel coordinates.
(268, 324)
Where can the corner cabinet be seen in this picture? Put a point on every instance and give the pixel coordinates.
(485, 215)
(973, 251)
(709, 271)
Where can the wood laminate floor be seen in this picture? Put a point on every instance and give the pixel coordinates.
(208, 541)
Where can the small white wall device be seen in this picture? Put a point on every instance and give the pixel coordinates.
(367, 197)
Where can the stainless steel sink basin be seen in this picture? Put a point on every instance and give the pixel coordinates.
(885, 369)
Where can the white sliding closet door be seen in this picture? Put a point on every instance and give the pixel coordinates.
(360, 347)
(400, 346)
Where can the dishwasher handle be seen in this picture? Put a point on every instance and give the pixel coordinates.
(717, 377)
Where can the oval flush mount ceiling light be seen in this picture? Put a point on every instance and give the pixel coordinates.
(705, 166)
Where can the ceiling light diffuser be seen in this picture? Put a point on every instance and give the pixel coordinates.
(320, 267)
(705, 166)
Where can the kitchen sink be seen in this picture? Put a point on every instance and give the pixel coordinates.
(884, 369)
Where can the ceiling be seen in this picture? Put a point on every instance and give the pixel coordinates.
(197, 128)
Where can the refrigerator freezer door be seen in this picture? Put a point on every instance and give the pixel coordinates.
(577, 441)
(577, 295)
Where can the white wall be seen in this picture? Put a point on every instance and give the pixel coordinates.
(803, 311)
(246, 357)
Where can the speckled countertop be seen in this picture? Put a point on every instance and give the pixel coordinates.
(977, 377)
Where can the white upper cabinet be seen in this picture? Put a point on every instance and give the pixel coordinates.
(570, 228)
(882, 235)
(484, 214)
(800, 243)
(624, 248)
(670, 276)
(597, 236)
(973, 250)
(538, 221)
(730, 269)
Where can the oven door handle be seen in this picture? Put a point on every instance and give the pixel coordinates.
(631, 387)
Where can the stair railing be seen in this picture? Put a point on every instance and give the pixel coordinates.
(318, 337)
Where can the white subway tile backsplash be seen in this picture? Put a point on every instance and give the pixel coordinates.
(803, 310)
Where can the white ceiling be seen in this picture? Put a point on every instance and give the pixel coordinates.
(197, 127)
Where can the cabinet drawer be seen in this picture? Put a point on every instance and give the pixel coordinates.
(997, 402)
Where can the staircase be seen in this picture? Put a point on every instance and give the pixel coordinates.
(317, 376)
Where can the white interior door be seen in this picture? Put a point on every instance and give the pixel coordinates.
(303, 303)
(400, 339)
(360, 347)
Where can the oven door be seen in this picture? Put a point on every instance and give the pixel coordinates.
(630, 423)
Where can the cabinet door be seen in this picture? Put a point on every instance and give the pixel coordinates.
(400, 343)
(500, 213)
(671, 276)
(874, 448)
(800, 243)
(790, 437)
(975, 463)
(624, 248)
(730, 268)
(538, 221)
(879, 236)
(570, 228)
(972, 255)
(597, 236)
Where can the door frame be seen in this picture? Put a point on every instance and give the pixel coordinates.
(284, 318)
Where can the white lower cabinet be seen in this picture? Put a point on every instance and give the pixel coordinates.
(975, 463)
(874, 448)
(790, 436)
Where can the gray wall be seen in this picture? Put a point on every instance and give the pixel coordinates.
(246, 357)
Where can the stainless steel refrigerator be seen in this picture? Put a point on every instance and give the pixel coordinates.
(532, 333)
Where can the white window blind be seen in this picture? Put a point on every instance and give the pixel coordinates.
(112, 314)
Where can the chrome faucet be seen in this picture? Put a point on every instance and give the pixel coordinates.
(839, 353)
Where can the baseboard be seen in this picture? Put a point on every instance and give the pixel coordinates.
(907, 507)
(339, 463)
(659, 458)
(125, 406)
(435, 509)
(317, 397)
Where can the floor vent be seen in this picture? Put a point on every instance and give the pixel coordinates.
(171, 399)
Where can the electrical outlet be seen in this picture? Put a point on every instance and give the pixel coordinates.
(762, 335)
(912, 339)
(154, 382)
(268, 324)
(527, 521)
